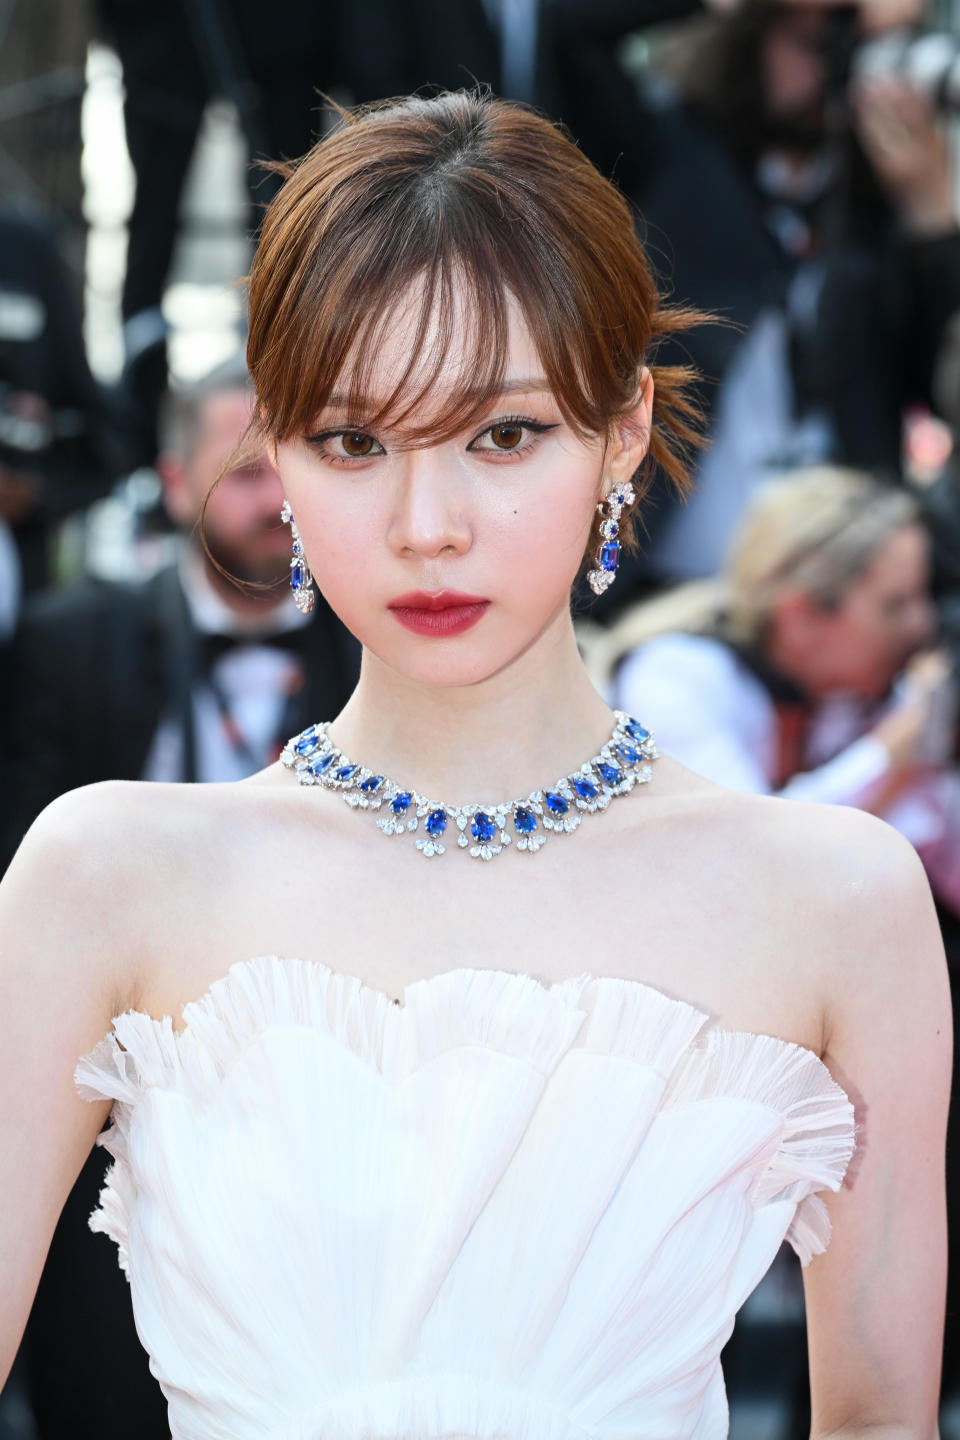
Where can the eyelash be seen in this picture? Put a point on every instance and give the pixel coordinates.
(524, 421)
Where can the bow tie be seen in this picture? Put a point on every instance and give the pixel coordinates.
(212, 647)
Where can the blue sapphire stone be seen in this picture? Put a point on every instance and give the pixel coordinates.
(401, 802)
(296, 576)
(628, 753)
(584, 788)
(321, 763)
(344, 772)
(436, 822)
(610, 556)
(636, 731)
(483, 827)
(611, 773)
(372, 782)
(555, 803)
(524, 820)
(306, 743)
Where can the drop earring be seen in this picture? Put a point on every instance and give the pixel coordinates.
(608, 555)
(301, 581)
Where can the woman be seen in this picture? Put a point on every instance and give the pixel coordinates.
(529, 1202)
(770, 677)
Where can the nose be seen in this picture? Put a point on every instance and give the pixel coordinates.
(428, 517)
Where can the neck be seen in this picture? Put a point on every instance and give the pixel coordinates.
(493, 741)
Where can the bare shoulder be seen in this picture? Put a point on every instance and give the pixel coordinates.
(85, 886)
(851, 900)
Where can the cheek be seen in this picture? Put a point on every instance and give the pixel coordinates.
(228, 511)
(535, 539)
(555, 509)
(334, 527)
(871, 640)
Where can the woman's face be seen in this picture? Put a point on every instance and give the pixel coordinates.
(886, 616)
(887, 613)
(501, 514)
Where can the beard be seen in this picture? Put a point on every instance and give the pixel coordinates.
(251, 559)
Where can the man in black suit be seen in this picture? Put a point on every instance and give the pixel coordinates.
(183, 677)
(188, 676)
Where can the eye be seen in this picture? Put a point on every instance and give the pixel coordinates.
(342, 446)
(507, 436)
(356, 443)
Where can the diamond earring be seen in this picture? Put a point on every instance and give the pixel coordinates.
(608, 556)
(301, 580)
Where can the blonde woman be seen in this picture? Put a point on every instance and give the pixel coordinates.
(776, 677)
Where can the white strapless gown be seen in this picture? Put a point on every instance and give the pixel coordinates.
(504, 1211)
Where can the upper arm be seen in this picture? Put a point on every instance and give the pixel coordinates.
(875, 1299)
(58, 991)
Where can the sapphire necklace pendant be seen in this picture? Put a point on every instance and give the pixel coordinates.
(483, 829)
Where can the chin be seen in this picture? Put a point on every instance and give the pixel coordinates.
(444, 671)
(452, 662)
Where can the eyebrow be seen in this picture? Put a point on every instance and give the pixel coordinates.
(510, 387)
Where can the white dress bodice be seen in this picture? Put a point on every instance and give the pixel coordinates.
(504, 1210)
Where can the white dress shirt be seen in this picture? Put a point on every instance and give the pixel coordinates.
(255, 680)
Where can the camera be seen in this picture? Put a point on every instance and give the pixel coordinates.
(928, 60)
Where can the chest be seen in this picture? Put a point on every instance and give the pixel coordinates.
(677, 912)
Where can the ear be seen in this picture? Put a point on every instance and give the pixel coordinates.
(630, 438)
(176, 489)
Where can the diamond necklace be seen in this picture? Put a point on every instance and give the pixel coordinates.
(615, 770)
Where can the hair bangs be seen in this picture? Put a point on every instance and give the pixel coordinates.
(456, 317)
(454, 308)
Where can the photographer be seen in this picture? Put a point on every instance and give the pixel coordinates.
(801, 196)
(805, 669)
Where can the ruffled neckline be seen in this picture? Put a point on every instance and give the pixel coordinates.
(505, 1009)
(605, 1019)
(197, 1012)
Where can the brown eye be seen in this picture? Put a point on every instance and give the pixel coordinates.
(506, 436)
(356, 443)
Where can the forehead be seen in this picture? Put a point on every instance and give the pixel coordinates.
(225, 410)
(431, 353)
(902, 560)
(798, 24)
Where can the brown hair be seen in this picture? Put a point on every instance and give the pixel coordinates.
(458, 190)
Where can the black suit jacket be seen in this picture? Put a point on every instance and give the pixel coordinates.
(94, 668)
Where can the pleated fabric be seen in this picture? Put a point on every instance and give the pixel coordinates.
(504, 1210)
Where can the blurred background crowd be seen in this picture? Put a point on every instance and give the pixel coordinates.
(794, 629)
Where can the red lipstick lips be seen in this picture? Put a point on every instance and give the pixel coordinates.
(438, 612)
